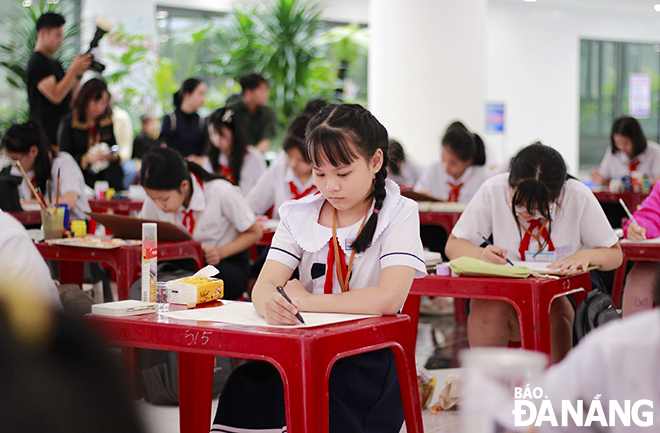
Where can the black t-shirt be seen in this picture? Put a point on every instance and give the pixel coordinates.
(41, 109)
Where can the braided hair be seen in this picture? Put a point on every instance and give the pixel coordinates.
(342, 133)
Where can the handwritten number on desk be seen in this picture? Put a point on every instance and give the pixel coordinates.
(195, 337)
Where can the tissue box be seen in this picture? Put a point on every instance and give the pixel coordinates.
(193, 290)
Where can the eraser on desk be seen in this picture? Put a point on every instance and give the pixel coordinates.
(442, 269)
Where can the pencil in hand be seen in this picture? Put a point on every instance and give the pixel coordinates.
(283, 293)
(490, 243)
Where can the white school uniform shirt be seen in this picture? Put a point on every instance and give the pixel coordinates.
(435, 179)
(578, 221)
(410, 173)
(22, 268)
(618, 361)
(254, 165)
(301, 241)
(219, 209)
(273, 188)
(71, 179)
(616, 165)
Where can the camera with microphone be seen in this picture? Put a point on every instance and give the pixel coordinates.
(103, 25)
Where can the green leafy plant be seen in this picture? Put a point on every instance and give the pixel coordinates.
(279, 40)
(132, 62)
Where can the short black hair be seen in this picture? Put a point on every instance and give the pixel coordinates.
(251, 81)
(50, 20)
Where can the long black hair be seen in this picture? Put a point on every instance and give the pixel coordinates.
(335, 134)
(226, 116)
(464, 144)
(20, 137)
(629, 127)
(188, 86)
(164, 168)
(537, 175)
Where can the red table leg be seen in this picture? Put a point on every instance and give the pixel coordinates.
(195, 392)
(71, 273)
(411, 308)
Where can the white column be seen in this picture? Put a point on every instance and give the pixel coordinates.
(427, 68)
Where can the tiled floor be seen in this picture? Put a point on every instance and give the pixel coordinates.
(439, 341)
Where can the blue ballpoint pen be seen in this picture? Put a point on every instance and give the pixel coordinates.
(490, 243)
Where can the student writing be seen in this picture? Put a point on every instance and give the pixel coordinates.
(629, 151)
(534, 212)
(289, 178)
(27, 143)
(460, 171)
(212, 210)
(357, 248)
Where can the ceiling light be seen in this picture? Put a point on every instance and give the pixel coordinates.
(161, 15)
(657, 7)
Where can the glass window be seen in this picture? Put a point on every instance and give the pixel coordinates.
(605, 69)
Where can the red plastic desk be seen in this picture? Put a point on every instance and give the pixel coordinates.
(119, 207)
(126, 262)
(631, 199)
(632, 251)
(27, 217)
(531, 297)
(303, 357)
(446, 220)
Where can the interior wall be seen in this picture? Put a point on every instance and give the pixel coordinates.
(534, 66)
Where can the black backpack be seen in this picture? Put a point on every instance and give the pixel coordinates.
(596, 310)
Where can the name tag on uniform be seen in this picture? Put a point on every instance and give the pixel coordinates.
(348, 244)
(549, 257)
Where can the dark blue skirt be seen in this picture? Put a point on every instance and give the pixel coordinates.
(364, 396)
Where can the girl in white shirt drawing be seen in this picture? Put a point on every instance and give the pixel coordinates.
(536, 212)
(212, 210)
(28, 144)
(357, 248)
(629, 151)
(289, 178)
(461, 169)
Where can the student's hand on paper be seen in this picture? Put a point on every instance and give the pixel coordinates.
(279, 311)
(597, 177)
(494, 254)
(574, 262)
(635, 232)
(212, 255)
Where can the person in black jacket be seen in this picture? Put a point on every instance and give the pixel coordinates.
(87, 134)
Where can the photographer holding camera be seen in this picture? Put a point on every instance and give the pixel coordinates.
(49, 88)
